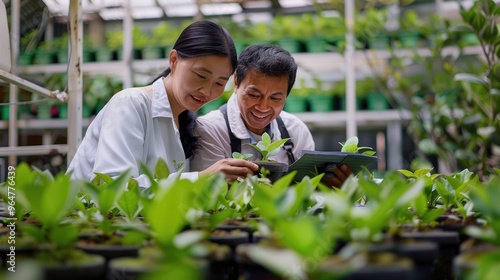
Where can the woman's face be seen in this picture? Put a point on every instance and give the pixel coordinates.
(196, 81)
(261, 99)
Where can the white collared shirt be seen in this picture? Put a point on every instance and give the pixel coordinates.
(214, 138)
(132, 128)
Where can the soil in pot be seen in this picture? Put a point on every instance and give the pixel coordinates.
(422, 253)
(457, 224)
(108, 246)
(248, 226)
(125, 268)
(80, 266)
(232, 238)
(272, 170)
(367, 265)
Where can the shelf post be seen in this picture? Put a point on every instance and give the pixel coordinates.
(128, 44)
(351, 123)
(15, 30)
(75, 77)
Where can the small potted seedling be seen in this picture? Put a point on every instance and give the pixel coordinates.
(270, 168)
(351, 146)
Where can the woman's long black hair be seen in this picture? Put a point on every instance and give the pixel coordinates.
(200, 38)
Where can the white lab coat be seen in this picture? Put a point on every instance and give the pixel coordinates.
(132, 128)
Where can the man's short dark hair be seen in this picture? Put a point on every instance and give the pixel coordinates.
(268, 59)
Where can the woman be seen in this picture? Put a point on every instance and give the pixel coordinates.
(141, 125)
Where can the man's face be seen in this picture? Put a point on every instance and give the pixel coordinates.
(261, 99)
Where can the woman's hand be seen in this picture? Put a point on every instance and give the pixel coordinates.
(233, 168)
(335, 175)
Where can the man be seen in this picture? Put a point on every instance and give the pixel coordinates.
(263, 79)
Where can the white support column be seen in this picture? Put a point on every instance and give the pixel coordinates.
(395, 149)
(75, 77)
(351, 123)
(128, 44)
(15, 31)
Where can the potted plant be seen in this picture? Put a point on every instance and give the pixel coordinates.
(112, 207)
(162, 39)
(326, 32)
(409, 34)
(50, 201)
(294, 234)
(479, 255)
(172, 249)
(260, 33)
(288, 32)
(25, 47)
(267, 148)
(44, 53)
(320, 99)
(370, 28)
(296, 101)
(97, 92)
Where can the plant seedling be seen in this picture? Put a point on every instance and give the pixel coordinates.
(351, 146)
(266, 147)
(240, 155)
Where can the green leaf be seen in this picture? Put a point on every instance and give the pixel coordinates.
(241, 156)
(154, 184)
(266, 139)
(111, 192)
(433, 215)
(33, 231)
(471, 78)
(411, 193)
(102, 177)
(286, 202)
(161, 169)
(64, 235)
(209, 192)
(189, 238)
(428, 146)
(422, 172)
(264, 201)
(277, 260)
(407, 173)
(51, 201)
(167, 212)
(303, 235)
(420, 205)
(128, 203)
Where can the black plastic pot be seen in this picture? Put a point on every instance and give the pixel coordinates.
(378, 266)
(249, 269)
(448, 243)
(109, 251)
(276, 169)
(422, 253)
(126, 268)
(231, 238)
(92, 267)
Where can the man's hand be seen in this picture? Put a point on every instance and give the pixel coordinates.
(335, 175)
